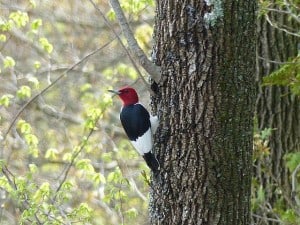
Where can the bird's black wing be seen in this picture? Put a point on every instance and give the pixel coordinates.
(135, 120)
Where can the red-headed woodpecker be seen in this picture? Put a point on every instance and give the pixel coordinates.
(138, 124)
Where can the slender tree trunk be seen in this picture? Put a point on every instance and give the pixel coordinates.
(205, 102)
(278, 109)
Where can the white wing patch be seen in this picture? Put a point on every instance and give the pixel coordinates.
(144, 143)
(154, 123)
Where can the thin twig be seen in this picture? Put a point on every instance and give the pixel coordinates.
(124, 47)
(275, 62)
(294, 185)
(68, 168)
(149, 66)
(266, 218)
(51, 85)
(274, 24)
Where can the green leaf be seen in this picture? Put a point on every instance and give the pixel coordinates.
(99, 178)
(84, 210)
(120, 195)
(289, 217)
(34, 81)
(85, 164)
(45, 44)
(37, 65)
(266, 133)
(116, 177)
(33, 168)
(24, 92)
(2, 38)
(5, 100)
(20, 18)
(34, 152)
(111, 15)
(31, 139)
(8, 62)
(67, 185)
(5, 184)
(6, 26)
(106, 156)
(132, 213)
(35, 25)
(286, 75)
(42, 192)
(85, 87)
(32, 3)
(67, 157)
(51, 153)
(2, 163)
(260, 194)
(292, 160)
(146, 178)
(24, 127)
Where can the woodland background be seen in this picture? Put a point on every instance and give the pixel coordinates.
(64, 158)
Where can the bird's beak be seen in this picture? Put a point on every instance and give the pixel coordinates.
(114, 92)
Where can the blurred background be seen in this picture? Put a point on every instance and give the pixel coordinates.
(66, 159)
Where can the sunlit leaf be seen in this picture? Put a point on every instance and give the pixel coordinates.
(32, 3)
(31, 139)
(24, 92)
(36, 24)
(37, 64)
(132, 213)
(85, 164)
(45, 44)
(51, 153)
(5, 100)
(33, 168)
(67, 157)
(24, 127)
(34, 81)
(42, 192)
(6, 25)
(8, 62)
(99, 178)
(20, 18)
(2, 38)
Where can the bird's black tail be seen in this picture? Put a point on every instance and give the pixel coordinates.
(151, 162)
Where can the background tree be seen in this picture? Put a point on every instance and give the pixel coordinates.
(278, 114)
(206, 50)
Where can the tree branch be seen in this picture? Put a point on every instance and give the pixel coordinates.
(277, 26)
(136, 50)
(51, 85)
(123, 46)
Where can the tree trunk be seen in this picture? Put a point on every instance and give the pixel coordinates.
(278, 109)
(205, 102)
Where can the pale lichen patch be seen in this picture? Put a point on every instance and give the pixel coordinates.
(210, 18)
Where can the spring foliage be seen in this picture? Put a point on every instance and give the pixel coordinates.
(65, 159)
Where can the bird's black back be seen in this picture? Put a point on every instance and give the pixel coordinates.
(135, 120)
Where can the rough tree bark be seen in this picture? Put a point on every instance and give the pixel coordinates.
(205, 101)
(278, 109)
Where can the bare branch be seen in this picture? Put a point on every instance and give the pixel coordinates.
(152, 69)
(275, 62)
(123, 46)
(51, 111)
(294, 185)
(288, 12)
(274, 24)
(51, 85)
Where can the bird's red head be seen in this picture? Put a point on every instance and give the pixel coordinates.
(128, 95)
